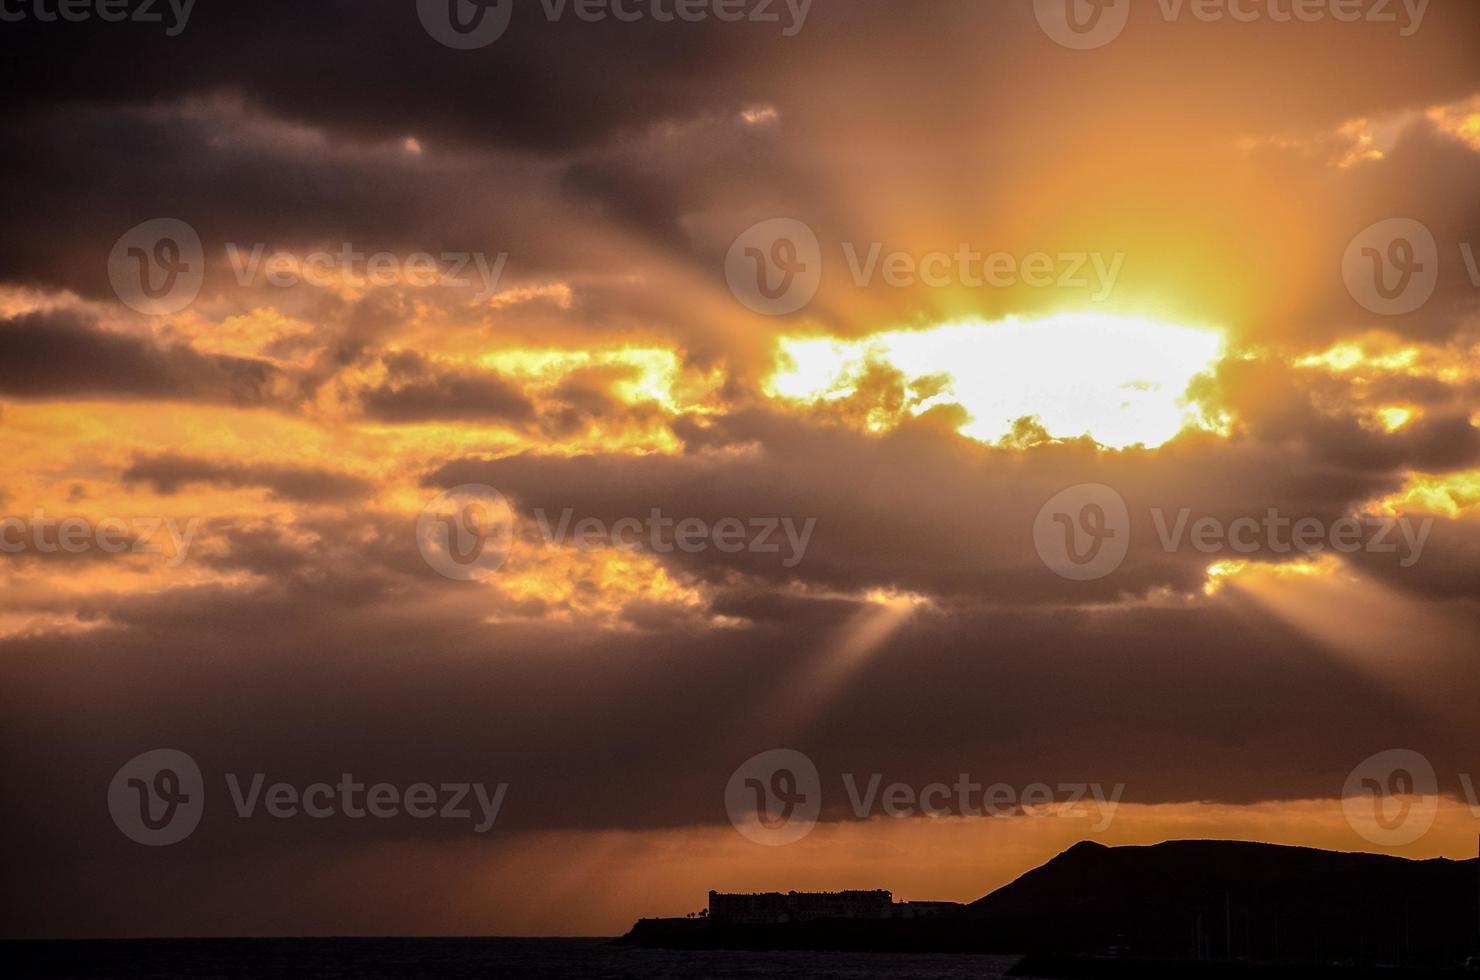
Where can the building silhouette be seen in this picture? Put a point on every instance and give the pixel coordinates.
(775, 907)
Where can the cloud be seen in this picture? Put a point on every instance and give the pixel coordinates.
(63, 355)
(169, 473)
(416, 391)
(925, 510)
(613, 374)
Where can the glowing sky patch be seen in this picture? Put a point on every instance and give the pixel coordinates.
(1459, 119)
(1449, 494)
(1222, 572)
(1394, 417)
(639, 374)
(1119, 380)
(1345, 358)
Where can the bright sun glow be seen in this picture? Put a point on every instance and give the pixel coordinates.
(1222, 572)
(1120, 380)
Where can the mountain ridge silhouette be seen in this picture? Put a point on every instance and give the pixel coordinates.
(1240, 900)
(1185, 900)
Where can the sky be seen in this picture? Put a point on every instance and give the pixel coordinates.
(588, 422)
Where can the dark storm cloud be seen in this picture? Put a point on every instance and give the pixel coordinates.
(169, 473)
(572, 83)
(655, 185)
(1276, 403)
(586, 397)
(254, 633)
(348, 654)
(582, 114)
(1432, 392)
(252, 186)
(1224, 696)
(610, 155)
(1435, 445)
(416, 391)
(925, 510)
(542, 85)
(1430, 177)
(253, 182)
(1450, 569)
(63, 355)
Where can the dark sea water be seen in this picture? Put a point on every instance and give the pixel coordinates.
(397, 959)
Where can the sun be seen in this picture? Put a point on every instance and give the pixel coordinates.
(1122, 381)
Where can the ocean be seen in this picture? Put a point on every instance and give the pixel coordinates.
(460, 959)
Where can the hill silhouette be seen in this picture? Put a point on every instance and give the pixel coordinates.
(1184, 900)
(1231, 899)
